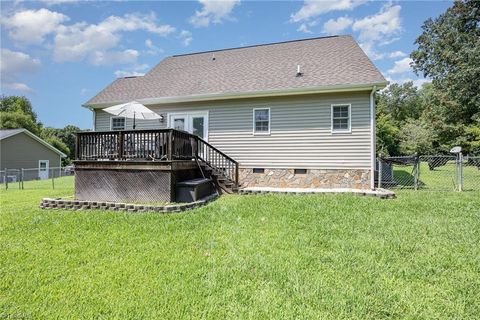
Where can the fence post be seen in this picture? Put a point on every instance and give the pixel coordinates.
(53, 179)
(23, 175)
(460, 178)
(380, 169)
(6, 180)
(417, 173)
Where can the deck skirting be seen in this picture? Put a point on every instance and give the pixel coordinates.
(131, 181)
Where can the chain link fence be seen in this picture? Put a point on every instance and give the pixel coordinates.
(430, 172)
(34, 178)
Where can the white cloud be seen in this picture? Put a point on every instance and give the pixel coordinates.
(128, 73)
(314, 8)
(333, 26)
(397, 54)
(128, 56)
(303, 28)
(95, 42)
(152, 49)
(13, 65)
(385, 23)
(57, 2)
(213, 11)
(137, 70)
(416, 82)
(31, 26)
(18, 87)
(378, 29)
(401, 66)
(186, 37)
(368, 48)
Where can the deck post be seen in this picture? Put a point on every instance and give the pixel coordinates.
(120, 145)
(170, 144)
(77, 147)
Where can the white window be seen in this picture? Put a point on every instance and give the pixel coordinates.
(261, 121)
(117, 123)
(341, 118)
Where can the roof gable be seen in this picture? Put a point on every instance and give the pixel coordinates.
(324, 62)
(4, 134)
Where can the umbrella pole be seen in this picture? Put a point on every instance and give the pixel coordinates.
(133, 120)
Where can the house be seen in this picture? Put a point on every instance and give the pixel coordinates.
(21, 149)
(292, 114)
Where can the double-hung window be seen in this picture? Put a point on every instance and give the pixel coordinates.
(341, 118)
(117, 123)
(261, 121)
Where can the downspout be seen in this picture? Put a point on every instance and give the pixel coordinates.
(94, 118)
(372, 137)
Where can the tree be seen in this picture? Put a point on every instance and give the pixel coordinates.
(401, 101)
(387, 135)
(65, 135)
(15, 120)
(448, 52)
(17, 104)
(16, 112)
(416, 137)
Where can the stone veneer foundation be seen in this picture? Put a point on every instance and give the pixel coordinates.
(314, 178)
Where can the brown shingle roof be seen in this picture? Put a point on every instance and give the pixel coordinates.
(328, 61)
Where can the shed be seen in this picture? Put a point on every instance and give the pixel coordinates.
(21, 149)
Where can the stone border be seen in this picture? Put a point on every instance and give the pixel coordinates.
(65, 204)
(379, 193)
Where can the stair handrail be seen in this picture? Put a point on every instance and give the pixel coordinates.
(235, 177)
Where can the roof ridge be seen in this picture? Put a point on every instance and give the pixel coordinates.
(256, 45)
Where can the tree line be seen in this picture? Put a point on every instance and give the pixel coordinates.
(17, 112)
(445, 113)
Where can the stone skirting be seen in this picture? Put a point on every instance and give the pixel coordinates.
(66, 204)
(314, 178)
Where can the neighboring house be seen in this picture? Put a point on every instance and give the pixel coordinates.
(21, 149)
(293, 114)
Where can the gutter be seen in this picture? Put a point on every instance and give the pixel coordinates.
(373, 137)
(242, 95)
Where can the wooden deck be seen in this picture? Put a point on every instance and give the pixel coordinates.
(146, 165)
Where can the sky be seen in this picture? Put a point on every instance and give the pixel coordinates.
(60, 53)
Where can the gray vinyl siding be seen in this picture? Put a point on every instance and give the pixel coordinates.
(22, 151)
(300, 130)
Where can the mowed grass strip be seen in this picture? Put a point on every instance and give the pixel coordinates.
(268, 256)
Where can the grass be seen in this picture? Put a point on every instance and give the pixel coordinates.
(441, 178)
(268, 256)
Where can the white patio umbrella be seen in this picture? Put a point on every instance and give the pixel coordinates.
(133, 110)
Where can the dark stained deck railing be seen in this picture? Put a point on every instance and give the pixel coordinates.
(154, 145)
(217, 160)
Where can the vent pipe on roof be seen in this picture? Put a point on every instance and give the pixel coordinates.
(213, 56)
(299, 73)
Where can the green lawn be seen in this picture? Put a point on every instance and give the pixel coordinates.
(440, 179)
(269, 256)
